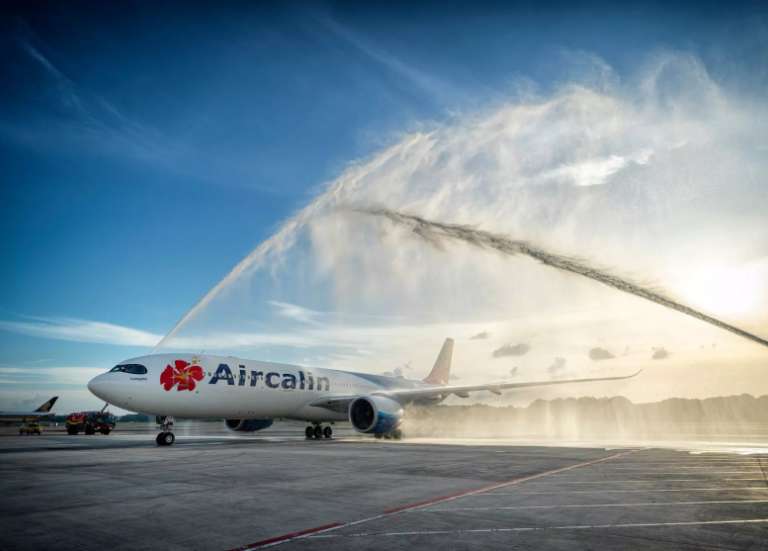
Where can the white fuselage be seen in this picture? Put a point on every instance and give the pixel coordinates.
(186, 385)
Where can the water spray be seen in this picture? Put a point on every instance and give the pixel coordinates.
(435, 233)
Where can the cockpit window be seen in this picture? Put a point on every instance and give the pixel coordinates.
(133, 369)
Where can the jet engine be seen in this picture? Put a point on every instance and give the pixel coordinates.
(375, 414)
(247, 425)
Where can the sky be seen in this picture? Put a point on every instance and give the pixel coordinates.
(147, 150)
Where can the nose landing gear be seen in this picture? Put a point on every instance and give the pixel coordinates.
(165, 438)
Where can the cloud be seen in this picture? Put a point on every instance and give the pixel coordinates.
(296, 312)
(69, 115)
(557, 365)
(520, 349)
(98, 332)
(660, 353)
(399, 371)
(72, 397)
(479, 336)
(597, 170)
(355, 337)
(64, 375)
(597, 354)
(427, 83)
(77, 330)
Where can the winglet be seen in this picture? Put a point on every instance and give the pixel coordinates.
(46, 407)
(441, 371)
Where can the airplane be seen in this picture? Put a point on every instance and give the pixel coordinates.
(29, 416)
(250, 394)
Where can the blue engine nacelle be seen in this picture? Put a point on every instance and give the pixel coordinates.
(247, 425)
(375, 414)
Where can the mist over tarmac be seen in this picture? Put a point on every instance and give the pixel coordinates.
(734, 419)
(658, 176)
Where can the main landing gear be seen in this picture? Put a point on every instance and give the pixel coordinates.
(165, 438)
(317, 432)
(396, 434)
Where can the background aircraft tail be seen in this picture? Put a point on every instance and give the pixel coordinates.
(442, 370)
(46, 407)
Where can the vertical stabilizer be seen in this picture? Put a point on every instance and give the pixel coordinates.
(46, 407)
(442, 369)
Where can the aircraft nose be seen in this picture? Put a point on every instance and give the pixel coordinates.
(97, 387)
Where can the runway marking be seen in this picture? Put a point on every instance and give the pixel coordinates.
(699, 461)
(314, 532)
(643, 490)
(621, 464)
(499, 485)
(695, 460)
(656, 481)
(594, 506)
(655, 468)
(286, 537)
(662, 469)
(544, 528)
(652, 473)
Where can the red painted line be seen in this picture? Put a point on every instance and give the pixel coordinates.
(498, 485)
(277, 540)
(429, 501)
(286, 537)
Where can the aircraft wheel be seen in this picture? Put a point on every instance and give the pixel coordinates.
(327, 432)
(105, 431)
(165, 439)
(397, 434)
(72, 431)
(317, 432)
(378, 436)
(309, 432)
(90, 430)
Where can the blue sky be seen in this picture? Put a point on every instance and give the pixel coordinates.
(146, 149)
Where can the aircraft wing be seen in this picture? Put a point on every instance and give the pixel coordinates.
(404, 396)
(339, 404)
(20, 416)
(414, 394)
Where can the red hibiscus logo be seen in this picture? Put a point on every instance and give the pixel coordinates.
(182, 374)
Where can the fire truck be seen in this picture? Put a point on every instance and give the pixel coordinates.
(90, 422)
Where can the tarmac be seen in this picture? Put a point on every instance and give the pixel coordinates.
(221, 491)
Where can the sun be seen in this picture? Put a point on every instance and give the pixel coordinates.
(735, 290)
